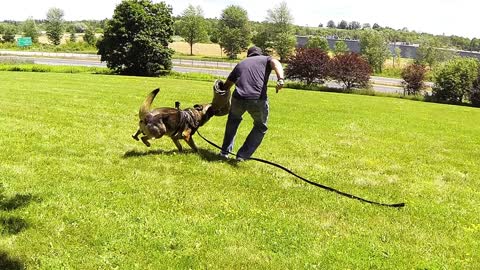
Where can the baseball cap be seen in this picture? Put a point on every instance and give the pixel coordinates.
(253, 51)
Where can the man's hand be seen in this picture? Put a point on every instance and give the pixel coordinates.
(280, 84)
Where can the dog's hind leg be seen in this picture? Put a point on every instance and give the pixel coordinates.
(145, 141)
(135, 136)
(177, 143)
(191, 143)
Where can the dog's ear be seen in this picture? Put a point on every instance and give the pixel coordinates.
(198, 107)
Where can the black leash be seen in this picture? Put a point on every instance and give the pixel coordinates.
(397, 205)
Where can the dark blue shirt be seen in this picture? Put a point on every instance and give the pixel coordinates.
(251, 77)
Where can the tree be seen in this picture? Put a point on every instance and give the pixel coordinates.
(263, 37)
(192, 26)
(455, 79)
(374, 47)
(376, 26)
(475, 93)
(354, 25)
(9, 33)
(430, 53)
(30, 30)
(309, 65)
(350, 69)
(234, 31)
(89, 36)
(413, 77)
(331, 24)
(73, 37)
(136, 39)
(366, 26)
(283, 39)
(340, 47)
(318, 42)
(55, 25)
(343, 25)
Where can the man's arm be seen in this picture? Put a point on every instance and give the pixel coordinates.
(228, 84)
(278, 68)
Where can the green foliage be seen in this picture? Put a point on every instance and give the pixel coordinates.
(475, 93)
(234, 31)
(430, 53)
(8, 33)
(283, 38)
(30, 29)
(454, 79)
(136, 39)
(413, 77)
(263, 37)
(374, 47)
(318, 42)
(89, 36)
(340, 47)
(192, 27)
(55, 25)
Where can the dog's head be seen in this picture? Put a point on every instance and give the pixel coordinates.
(203, 112)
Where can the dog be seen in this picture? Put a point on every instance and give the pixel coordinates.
(173, 122)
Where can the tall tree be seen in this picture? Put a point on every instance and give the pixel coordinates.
(9, 31)
(192, 26)
(136, 39)
(263, 37)
(89, 35)
(30, 30)
(55, 25)
(374, 47)
(283, 39)
(331, 24)
(234, 31)
(343, 24)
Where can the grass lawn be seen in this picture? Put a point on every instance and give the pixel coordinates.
(77, 192)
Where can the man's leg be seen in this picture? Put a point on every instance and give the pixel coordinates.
(237, 109)
(258, 109)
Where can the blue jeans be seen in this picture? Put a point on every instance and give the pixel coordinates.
(258, 110)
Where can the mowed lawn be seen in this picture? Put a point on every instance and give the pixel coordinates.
(77, 192)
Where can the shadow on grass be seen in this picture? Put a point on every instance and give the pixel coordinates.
(207, 155)
(9, 263)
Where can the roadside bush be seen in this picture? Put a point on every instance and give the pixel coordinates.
(413, 77)
(350, 69)
(475, 94)
(454, 80)
(309, 65)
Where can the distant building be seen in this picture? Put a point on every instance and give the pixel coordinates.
(407, 50)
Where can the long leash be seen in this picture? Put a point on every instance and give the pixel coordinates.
(396, 205)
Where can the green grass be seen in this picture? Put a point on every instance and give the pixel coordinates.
(79, 193)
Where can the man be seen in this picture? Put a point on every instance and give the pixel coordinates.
(250, 77)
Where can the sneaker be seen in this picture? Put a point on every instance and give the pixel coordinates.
(240, 159)
(222, 155)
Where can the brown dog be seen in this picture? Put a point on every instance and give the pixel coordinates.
(173, 122)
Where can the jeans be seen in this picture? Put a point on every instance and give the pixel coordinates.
(258, 110)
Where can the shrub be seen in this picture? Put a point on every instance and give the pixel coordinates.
(454, 80)
(475, 94)
(309, 65)
(350, 69)
(413, 77)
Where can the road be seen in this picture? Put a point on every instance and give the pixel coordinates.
(379, 84)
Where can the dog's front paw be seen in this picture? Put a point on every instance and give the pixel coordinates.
(135, 137)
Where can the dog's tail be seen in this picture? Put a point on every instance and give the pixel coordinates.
(145, 108)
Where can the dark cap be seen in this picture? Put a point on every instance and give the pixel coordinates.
(253, 51)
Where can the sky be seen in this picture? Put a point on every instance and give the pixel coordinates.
(439, 17)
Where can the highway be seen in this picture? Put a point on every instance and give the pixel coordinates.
(379, 84)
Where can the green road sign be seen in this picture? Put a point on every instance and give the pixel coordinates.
(24, 41)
